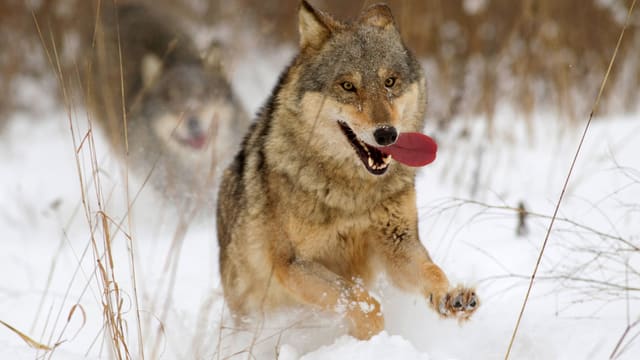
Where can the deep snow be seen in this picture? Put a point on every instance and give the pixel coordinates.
(573, 313)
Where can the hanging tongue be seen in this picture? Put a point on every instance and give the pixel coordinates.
(197, 141)
(413, 149)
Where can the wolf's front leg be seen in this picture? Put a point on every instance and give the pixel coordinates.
(410, 268)
(312, 283)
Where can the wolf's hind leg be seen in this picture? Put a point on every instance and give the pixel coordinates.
(312, 283)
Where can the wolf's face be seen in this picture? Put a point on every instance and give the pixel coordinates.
(186, 106)
(359, 85)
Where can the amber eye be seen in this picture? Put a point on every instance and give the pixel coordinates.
(390, 82)
(348, 86)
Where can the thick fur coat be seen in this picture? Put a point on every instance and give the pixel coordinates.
(308, 213)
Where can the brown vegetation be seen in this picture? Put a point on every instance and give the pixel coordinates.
(526, 53)
(530, 54)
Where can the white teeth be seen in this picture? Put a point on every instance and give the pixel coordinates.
(375, 166)
(364, 146)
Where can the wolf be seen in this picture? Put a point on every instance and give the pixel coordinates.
(167, 109)
(321, 198)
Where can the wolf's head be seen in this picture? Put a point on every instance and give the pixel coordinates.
(186, 105)
(358, 85)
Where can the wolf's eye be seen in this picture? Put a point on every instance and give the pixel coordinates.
(390, 82)
(348, 86)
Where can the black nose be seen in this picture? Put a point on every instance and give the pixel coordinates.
(193, 124)
(385, 135)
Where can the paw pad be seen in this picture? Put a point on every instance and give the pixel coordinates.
(473, 302)
(459, 302)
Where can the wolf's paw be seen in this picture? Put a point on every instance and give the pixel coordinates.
(367, 326)
(460, 303)
(366, 319)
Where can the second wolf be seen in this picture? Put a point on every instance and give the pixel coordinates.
(314, 205)
(182, 117)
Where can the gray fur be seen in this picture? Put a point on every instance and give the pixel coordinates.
(300, 219)
(188, 88)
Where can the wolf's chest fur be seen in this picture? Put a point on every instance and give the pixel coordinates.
(319, 194)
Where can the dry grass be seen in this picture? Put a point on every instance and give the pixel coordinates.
(550, 50)
(101, 224)
(113, 276)
(531, 54)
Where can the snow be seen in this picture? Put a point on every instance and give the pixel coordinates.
(577, 309)
(381, 346)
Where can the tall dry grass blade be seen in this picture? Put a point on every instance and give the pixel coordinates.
(48, 283)
(85, 141)
(130, 244)
(34, 344)
(618, 349)
(54, 62)
(566, 182)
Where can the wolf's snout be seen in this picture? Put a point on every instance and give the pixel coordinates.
(385, 135)
(193, 123)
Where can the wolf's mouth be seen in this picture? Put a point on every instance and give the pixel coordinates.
(373, 159)
(196, 142)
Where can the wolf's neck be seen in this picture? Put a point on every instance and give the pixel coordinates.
(337, 187)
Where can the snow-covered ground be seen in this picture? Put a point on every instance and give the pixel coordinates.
(586, 295)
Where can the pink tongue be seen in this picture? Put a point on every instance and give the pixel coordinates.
(413, 149)
(197, 142)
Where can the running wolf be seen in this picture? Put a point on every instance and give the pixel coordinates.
(321, 198)
(182, 117)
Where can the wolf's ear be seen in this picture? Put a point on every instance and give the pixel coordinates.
(151, 68)
(315, 26)
(378, 15)
(213, 57)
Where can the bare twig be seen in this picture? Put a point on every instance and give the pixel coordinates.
(600, 233)
(617, 350)
(564, 188)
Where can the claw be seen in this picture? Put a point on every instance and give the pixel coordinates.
(459, 303)
(442, 306)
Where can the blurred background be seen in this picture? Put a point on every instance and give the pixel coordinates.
(511, 84)
(528, 54)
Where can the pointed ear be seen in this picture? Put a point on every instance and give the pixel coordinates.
(378, 15)
(213, 58)
(151, 68)
(315, 26)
